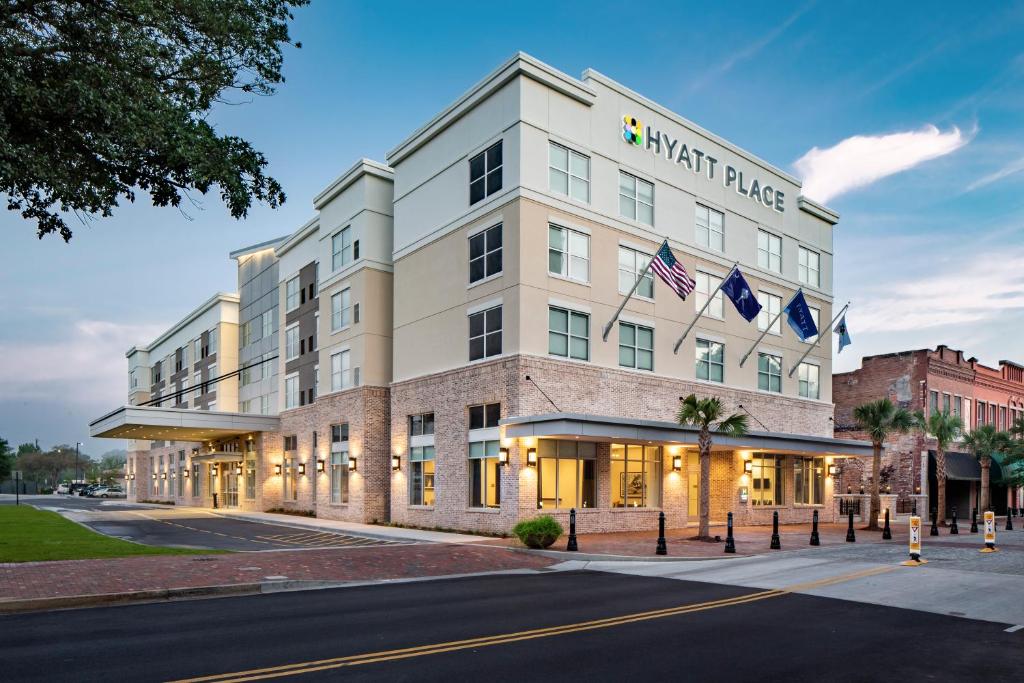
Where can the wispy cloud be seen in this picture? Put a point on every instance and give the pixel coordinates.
(748, 52)
(861, 160)
(1009, 169)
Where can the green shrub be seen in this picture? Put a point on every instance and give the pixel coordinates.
(539, 532)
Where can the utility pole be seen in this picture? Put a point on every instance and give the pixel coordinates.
(78, 445)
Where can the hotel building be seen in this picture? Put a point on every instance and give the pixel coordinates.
(442, 353)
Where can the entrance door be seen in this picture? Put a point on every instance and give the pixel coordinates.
(693, 486)
(229, 484)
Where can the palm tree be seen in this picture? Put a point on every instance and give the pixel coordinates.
(983, 442)
(945, 429)
(706, 415)
(880, 419)
(1017, 428)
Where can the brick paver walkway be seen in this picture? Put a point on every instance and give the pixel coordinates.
(96, 577)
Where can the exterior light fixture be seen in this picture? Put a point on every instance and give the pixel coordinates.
(277, 469)
(396, 463)
(917, 489)
(154, 475)
(531, 457)
(238, 469)
(184, 473)
(352, 464)
(172, 474)
(677, 463)
(302, 468)
(320, 465)
(748, 466)
(832, 470)
(503, 456)
(213, 470)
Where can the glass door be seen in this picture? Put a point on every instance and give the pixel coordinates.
(229, 484)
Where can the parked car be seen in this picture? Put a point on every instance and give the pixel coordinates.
(76, 488)
(88, 489)
(107, 492)
(63, 488)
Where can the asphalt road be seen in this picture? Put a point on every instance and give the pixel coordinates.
(327, 635)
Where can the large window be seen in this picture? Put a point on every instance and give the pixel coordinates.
(421, 425)
(769, 251)
(197, 482)
(484, 474)
(809, 267)
(567, 474)
(267, 323)
(771, 306)
(247, 329)
(707, 283)
(483, 416)
(291, 391)
(339, 464)
(421, 475)
(341, 249)
(710, 360)
(631, 264)
(291, 294)
(568, 172)
(569, 253)
(767, 480)
(807, 378)
(291, 342)
(341, 370)
(710, 228)
(636, 198)
(769, 372)
(181, 473)
(485, 333)
(485, 173)
(635, 476)
(809, 481)
(933, 402)
(636, 346)
(250, 476)
(568, 333)
(341, 309)
(485, 253)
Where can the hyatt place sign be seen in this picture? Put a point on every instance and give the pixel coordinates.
(699, 162)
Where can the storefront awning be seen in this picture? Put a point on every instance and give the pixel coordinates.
(178, 424)
(627, 430)
(965, 467)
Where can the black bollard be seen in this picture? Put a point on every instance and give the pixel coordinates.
(1009, 521)
(850, 536)
(571, 545)
(935, 529)
(776, 544)
(886, 531)
(953, 528)
(974, 520)
(662, 547)
(730, 542)
(815, 540)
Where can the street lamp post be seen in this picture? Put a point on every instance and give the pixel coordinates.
(78, 445)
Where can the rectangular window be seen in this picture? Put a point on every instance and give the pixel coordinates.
(809, 481)
(635, 479)
(809, 267)
(267, 322)
(339, 464)
(707, 283)
(710, 361)
(422, 424)
(291, 392)
(252, 373)
(291, 342)
(485, 173)
(341, 370)
(180, 474)
(341, 249)
(566, 474)
(341, 310)
(484, 474)
(636, 346)
(710, 228)
(484, 416)
(933, 402)
(769, 372)
(485, 254)
(485, 334)
(421, 475)
(250, 476)
(291, 294)
(769, 251)
(636, 198)
(568, 333)
(197, 384)
(767, 480)
(1002, 417)
(807, 378)
(631, 264)
(771, 306)
(569, 253)
(981, 413)
(947, 403)
(197, 482)
(568, 172)
(247, 333)
(957, 406)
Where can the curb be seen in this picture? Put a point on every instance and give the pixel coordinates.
(598, 557)
(14, 606)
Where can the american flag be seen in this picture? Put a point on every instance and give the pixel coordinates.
(672, 271)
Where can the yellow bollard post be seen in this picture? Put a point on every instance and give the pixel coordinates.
(990, 532)
(915, 544)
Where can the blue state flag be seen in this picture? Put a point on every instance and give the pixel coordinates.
(844, 334)
(798, 315)
(741, 295)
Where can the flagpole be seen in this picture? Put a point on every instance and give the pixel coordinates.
(751, 349)
(820, 337)
(618, 311)
(675, 349)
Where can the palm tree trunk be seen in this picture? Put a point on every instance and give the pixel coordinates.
(940, 484)
(876, 501)
(704, 529)
(986, 465)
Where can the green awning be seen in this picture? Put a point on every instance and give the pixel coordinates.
(965, 467)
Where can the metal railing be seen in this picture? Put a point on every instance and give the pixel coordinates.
(904, 506)
(847, 506)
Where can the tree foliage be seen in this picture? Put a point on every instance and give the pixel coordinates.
(6, 459)
(102, 98)
(880, 419)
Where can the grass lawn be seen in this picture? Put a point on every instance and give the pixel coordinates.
(31, 535)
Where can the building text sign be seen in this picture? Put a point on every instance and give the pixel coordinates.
(699, 162)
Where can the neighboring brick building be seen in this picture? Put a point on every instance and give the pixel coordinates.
(930, 380)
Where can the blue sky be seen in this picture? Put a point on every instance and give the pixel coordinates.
(909, 121)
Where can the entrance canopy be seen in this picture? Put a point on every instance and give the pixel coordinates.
(178, 424)
(627, 430)
(221, 456)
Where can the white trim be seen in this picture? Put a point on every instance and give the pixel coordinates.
(562, 223)
(486, 306)
(562, 303)
(484, 434)
(709, 337)
(492, 276)
(771, 350)
(483, 227)
(421, 440)
(626, 318)
(635, 246)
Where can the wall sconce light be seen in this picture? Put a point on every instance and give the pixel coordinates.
(154, 475)
(195, 451)
(184, 473)
(320, 465)
(503, 456)
(172, 474)
(213, 470)
(531, 457)
(238, 469)
(352, 464)
(748, 466)
(132, 476)
(302, 468)
(677, 463)
(917, 489)
(396, 463)
(277, 469)
(832, 470)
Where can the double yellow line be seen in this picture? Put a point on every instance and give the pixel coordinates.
(486, 641)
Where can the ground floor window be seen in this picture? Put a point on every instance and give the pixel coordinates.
(421, 475)
(181, 474)
(767, 484)
(213, 479)
(484, 471)
(197, 483)
(567, 472)
(290, 477)
(250, 476)
(339, 476)
(809, 480)
(635, 476)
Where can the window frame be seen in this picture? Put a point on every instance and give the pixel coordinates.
(568, 333)
(568, 171)
(716, 310)
(758, 468)
(289, 346)
(580, 500)
(708, 226)
(568, 257)
(654, 465)
(710, 345)
(291, 297)
(288, 402)
(804, 269)
(804, 380)
(338, 376)
(341, 315)
(767, 373)
(809, 480)
(635, 346)
(420, 475)
(634, 198)
(489, 171)
(487, 236)
(633, 273)
(770, 239)
(771, 307)
(486, 335)
(338, 255)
